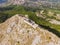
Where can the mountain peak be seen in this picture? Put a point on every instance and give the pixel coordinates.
(19, 30)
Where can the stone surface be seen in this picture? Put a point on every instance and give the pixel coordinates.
(15, 31)
(12, 2)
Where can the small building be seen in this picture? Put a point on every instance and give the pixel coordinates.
(30, 22)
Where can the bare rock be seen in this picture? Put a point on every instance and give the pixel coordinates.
(15, 31)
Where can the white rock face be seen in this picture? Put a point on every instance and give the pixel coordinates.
(12, 2)
(15, 31)
(18, 2)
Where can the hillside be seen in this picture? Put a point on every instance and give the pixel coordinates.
(30, 22)
(18, 30)
(34, 3)
(6, 13)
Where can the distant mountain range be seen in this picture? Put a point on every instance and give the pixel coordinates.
(30, 2)
(2, 1)
(52, 0)
(47, 0)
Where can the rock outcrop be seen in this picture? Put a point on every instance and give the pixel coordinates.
(15, 31)
(12, 2)
(18, 2)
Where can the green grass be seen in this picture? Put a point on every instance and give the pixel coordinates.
(54, 10)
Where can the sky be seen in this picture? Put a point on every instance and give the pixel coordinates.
(2, 1)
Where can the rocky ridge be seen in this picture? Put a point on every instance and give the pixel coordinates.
(12, 2)
(18, 31)
(30, 3)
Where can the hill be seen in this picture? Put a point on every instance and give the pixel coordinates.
(19, 30)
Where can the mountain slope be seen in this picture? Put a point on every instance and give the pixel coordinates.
(48, 3)
(19, 30)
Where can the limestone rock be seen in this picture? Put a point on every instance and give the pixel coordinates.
(15, 31)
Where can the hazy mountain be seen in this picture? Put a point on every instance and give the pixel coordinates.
(3, 1)
(54, 0)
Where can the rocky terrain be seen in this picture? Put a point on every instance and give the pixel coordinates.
(34, 3)
(19, 30)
